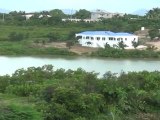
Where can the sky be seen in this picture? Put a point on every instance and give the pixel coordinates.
(121, 6)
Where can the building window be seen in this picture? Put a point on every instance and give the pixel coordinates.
(110, 38)
(125, 39)
(98, 38)
(79, 37)
(121, 39)
(118, 39)
(84, 37)
(103, 38)
(87, 37)
(114, 39)
(92, 38)
(134, 38)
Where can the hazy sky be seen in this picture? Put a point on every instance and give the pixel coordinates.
(125, 6)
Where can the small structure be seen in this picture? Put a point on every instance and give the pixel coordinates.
(41, 16)
(142, 28)
(101, 38)
(28, 15)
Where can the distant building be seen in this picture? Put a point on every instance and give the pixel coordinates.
(100, 38)
(96, 15)
(77, 20)
(41, 16)
(28, 15)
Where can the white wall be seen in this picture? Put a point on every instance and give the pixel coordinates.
(101, 43)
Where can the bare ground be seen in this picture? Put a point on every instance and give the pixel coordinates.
(156, 44)
(76, 48)
(81, 50)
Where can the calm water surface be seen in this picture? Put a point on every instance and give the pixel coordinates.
(9, 64)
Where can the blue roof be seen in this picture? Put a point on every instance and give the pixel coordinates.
(105, 33)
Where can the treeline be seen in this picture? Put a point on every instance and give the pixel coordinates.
(80, 95)
(53, 17)
(127, 23)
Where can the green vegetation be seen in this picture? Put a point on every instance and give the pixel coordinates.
(23, 48)
(31, 40)
(122, 53)
(45, 93)
(17, 108)
(19, 36)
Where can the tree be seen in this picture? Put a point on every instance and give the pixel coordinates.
(57, 13)
(122, 45)
(71, 35)
(107, 46)
(17, 17)
(13, 36)
(154, 13)
(153, 33)
(69, 44)
(135, 44)
(82, 14)
(53, 36)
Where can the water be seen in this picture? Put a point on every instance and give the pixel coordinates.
(8, 65)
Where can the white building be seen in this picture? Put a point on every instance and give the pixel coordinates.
(28, 16)
(78, 20)
(100, 38)
(98, 14)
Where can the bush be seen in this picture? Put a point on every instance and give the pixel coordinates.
(14, 112)
(54, 36)
(13, 36)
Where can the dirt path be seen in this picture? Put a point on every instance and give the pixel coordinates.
(156, 44)
(81, 50)
(76, 48)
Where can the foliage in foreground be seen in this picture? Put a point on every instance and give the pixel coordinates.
(81, 95)
(14, 112)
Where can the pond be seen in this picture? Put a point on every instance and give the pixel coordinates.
(8, 65)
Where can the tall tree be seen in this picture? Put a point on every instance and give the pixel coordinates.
(57, 13)
(122, 45)
(154, 13)
(135, 44)
(82, 14)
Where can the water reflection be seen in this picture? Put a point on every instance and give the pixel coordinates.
(9, 64)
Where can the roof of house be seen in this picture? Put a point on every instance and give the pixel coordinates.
(105, 33)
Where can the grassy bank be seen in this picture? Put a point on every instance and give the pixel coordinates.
(26, 48)
(32, 40)
(17, 108)
(32, 35)
(120, 53)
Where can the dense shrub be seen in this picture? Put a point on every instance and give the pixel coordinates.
(120, 53)
(14, 112)
(60, 94)
(15, 36)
